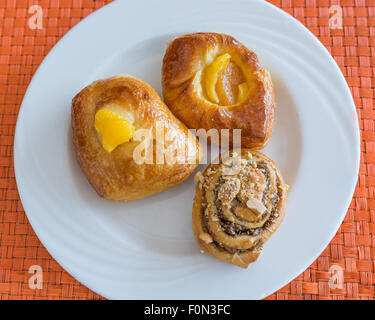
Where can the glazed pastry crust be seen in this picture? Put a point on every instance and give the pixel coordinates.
(223, 224)
(183, 63)
(115, 175)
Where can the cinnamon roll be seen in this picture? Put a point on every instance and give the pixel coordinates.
(239, 203)
(211, 80)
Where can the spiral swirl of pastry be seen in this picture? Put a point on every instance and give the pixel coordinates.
(239, 203)
(212, 81)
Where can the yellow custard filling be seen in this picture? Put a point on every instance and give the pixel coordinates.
(211, 78)
(113, 128)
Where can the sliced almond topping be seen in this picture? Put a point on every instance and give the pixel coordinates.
(199, 177)
(256, 206)
(205, 237)
(229, 190)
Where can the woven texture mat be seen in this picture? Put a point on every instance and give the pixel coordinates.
(351, 251)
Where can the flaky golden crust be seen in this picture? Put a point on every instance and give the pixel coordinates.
(225, 223)
(183, 63)
(115, 175)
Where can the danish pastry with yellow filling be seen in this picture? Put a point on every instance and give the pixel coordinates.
(210, 80)
(115, 123)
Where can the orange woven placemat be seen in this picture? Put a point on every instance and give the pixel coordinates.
(352, 250)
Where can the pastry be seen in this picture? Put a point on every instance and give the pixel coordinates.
(127, 142)
(210, 80)
(239, 203)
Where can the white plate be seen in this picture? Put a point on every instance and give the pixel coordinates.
(145, 249)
